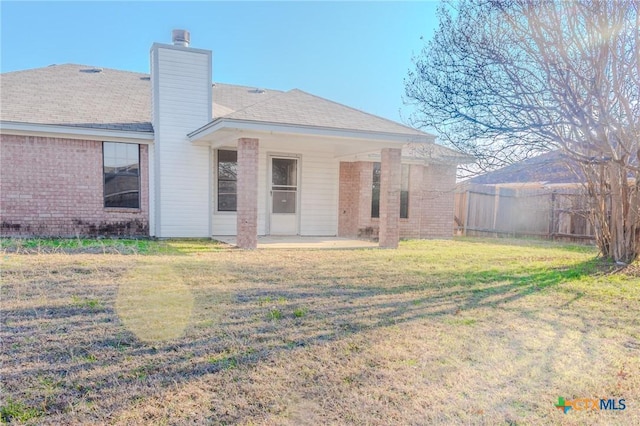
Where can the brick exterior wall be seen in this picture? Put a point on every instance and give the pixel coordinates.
(354, 201)
(438, 201)
(390, 171)
(368, 226)
(431, 201)
(410, 227)
(348, 202)
(247, 190)
(54, 187)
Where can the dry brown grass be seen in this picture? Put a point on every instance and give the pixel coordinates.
(437, 332)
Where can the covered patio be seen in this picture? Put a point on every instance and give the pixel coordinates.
(316, 209)
(279, 163)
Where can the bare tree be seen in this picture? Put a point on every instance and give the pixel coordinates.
(504, 80)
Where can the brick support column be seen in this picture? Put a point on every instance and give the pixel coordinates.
(390, 173)
(247, 207)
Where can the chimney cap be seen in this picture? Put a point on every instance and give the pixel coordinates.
(181, 37)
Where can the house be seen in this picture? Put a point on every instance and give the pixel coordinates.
(548, 170)
(96, 151)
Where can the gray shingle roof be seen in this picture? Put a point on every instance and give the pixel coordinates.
(549, 168)
(77, 95)
(300, 108)
(228, 98)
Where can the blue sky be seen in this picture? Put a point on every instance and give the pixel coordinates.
(356, 53)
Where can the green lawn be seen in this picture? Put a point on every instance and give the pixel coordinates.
(467, 331)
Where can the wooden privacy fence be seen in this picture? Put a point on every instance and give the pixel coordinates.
(482, 210)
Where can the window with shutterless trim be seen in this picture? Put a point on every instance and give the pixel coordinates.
(121, 174)
(227, 171)
(375, 191)
(404, 192)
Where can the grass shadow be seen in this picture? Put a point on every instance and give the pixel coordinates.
(90, 356)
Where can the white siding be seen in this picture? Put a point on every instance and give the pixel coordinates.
(318, 191)
(181, 81)
(225, 223)
(319, 194)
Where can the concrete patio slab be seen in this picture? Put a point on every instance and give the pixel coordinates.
(293, 242)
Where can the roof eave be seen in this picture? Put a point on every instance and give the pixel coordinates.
(74, 132)
(249, 125)
(447, 160)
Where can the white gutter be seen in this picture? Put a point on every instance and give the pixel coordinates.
(74, 132)
(261, 126)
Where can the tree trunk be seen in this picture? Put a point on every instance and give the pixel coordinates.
(614, 213)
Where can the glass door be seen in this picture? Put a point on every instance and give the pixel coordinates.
(284, 196)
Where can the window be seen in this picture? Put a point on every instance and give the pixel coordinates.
(284, 184)
(375, 192)
(227, 180)
(404, 192)
(121, 170)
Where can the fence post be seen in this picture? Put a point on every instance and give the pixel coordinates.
(553, 216)
(496, 206)
(467, 199)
